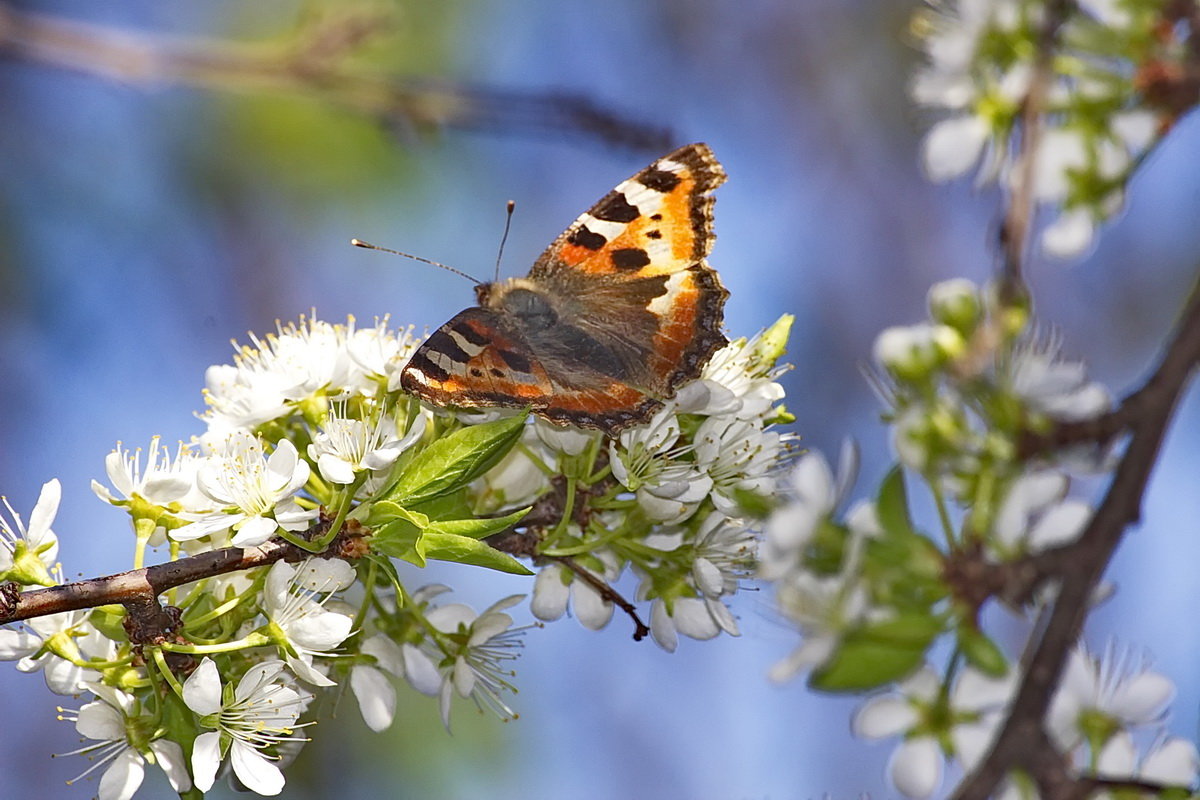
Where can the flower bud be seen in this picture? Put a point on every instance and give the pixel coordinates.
(956, 303)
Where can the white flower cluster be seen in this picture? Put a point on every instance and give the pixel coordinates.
(962, 391)
(670, 500)
(308, 428)
(965, 386)
(1096, 709)
(1097, 122)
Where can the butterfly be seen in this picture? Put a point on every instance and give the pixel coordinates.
(616, 314)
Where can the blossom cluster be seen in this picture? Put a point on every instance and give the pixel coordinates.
(962, 390)
(872, 593)
(1106, 99)
(1098, 708)
(308, 436)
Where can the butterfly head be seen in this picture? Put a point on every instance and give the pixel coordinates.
(520, 298)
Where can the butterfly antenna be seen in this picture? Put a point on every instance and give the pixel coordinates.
(369, 246)
(507, 224)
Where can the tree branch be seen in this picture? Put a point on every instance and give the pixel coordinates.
(1022, 741)
(546, 513)
(315, 66)
(139, 586)
(1018, 217)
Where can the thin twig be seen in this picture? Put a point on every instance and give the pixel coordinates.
(315, 66)
(1022, 741)
(547, 512)
(607, 593)
(1018, 217)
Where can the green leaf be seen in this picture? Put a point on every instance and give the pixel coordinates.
(108, 620)
(476, 528)
(753, 504)
(892, 505)
(399, 539)
(456, 459)
(465, 550)
(983, 654)
(388, 568)
(385, 511)
(447, 506)
(877, 654)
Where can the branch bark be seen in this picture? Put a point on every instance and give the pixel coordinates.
(315, 65)
(141, 586)
(1019, 214)
(1022, 741)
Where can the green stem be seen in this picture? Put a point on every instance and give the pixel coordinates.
(939, 501)
(165, 671)
(255, 639)
(568, 512)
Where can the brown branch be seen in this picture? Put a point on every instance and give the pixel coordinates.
(1022, 741)
(141, 587)
(524, 539)
(316, 67)
(1018, 217)
(607, 592)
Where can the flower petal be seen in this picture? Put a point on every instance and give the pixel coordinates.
(206, 757)
(123, 777)
(376, 696)
(916, 767)
(254, 769)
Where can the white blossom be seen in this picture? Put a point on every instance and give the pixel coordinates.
(1035, 515)
(28, 554)
(649, 461)
(275, 373)
(481, 645)
(116, 723)
(258, 489)
(59, 646)
(371, 683)
(739, 457)
(1115, 688)
(378, 355)
(262, 711)
(297, 617)
(345, 446)
(967, 718)
(1054, 386)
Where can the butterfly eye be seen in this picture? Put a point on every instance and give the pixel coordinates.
(531, 307)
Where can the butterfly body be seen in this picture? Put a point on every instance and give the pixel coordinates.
(618, 312)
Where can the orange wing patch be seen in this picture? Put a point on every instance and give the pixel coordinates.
(656, 223)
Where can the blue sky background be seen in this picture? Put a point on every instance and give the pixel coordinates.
(141, 230)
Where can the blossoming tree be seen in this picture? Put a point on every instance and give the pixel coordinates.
(265, 550)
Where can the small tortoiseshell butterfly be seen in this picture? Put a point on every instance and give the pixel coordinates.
(618, 312)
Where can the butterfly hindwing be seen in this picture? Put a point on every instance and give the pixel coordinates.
(472, 362)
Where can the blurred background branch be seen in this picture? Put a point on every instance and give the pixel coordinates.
(317, 62)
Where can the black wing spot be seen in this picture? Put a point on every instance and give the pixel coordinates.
(420, 364)
(659, 180)
(630, 258)
(615, 208)
(441, 341)
(476, 372)
(653, 234)
(515, 360)
(496, 373)
(586, 238)
(656, 217)
(477, 338)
